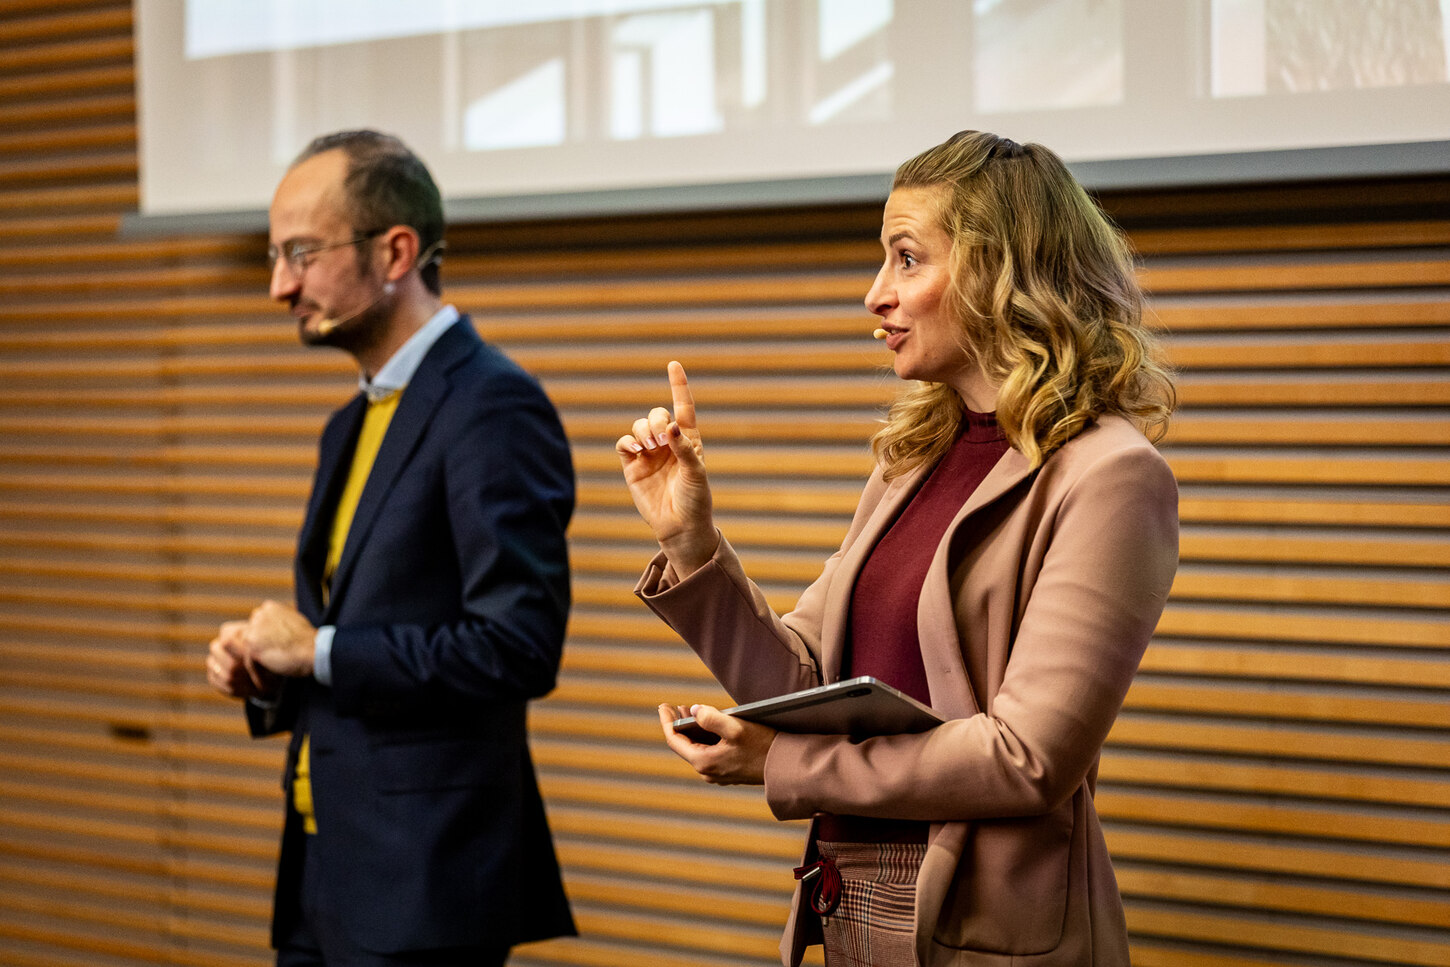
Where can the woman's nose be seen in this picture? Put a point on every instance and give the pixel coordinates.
(878, 299)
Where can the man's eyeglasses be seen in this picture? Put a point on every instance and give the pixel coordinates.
(299, 255)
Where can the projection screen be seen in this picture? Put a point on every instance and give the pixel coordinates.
(551, 107)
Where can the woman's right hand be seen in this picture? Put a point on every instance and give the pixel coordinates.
(664, 468)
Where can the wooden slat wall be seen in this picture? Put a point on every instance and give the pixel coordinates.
(1277, 791)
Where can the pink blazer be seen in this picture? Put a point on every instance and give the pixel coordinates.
(1036, 610)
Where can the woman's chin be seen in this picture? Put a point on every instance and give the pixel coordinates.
(904, 370)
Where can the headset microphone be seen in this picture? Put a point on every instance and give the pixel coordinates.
(433, 253)
(332, 322)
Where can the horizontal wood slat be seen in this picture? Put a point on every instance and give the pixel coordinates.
(84, 201)
(1280, 275)
(1300, 314)
(1330, 941)
(1378, 787)
(1168, 241)
(63, 54)
(1287, 817)
(91, 166)
(1197, 849)
(61, 24)
(1402, 907)
(79, 110)
(120, 77)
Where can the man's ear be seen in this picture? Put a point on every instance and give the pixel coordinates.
(401, 244)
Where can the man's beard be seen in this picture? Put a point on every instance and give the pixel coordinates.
(352, 330)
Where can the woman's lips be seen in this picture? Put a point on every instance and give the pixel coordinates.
(891, 335)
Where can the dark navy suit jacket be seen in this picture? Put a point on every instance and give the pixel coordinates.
(450, 601)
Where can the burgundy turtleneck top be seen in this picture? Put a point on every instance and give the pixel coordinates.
(882, 640)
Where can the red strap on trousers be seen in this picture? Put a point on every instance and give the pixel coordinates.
(825, 891)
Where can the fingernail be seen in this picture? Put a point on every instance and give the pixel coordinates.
(663, 440)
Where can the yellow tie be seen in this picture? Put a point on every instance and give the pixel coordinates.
(370, 438)
(375, 426)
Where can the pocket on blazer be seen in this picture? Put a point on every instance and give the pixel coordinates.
(1011, 892)
(442, 764)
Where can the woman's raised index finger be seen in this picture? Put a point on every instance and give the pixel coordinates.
(683, 399)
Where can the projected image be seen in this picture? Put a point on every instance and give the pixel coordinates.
(651, 74)
(555, 72)
(573, 100)
(662, 75)
(1298, 46)
(1042, 54)
(851, 67)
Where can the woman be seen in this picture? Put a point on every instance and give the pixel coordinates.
(1008, 561)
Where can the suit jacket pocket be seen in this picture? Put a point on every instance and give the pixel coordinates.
(452, 763)
(1010, 892)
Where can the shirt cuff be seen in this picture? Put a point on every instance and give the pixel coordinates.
(322, 654)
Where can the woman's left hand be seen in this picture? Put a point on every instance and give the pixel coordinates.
(739, 756)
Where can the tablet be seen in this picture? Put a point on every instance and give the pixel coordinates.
(858, 707)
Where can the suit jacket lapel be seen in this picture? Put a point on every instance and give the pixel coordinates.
(422, 397)
(836, 613)
(941, 647)
(333, 460)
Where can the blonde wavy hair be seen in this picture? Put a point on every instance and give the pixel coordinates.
(1043, 287)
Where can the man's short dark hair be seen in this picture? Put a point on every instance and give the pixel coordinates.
(387, 185)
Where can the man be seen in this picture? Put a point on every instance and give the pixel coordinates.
(432, 590)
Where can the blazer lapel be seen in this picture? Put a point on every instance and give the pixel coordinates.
(422, 397)
(947, 676)
(333, 459)
(837, 609)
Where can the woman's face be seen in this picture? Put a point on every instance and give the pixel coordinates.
(909, 295)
